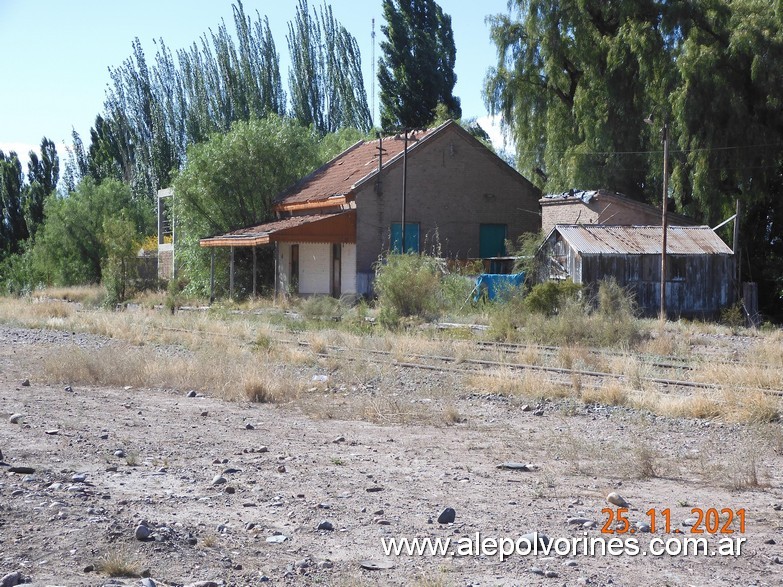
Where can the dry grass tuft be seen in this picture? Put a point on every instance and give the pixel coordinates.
(118, 563)
(514, 383)
(451, 415)
(611, 393)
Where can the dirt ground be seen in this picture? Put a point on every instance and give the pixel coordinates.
(106, 459)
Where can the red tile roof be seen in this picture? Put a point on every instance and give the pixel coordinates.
(340, 175)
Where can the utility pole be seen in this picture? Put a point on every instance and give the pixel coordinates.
(736, 247)
(404, 187)
(664, 219)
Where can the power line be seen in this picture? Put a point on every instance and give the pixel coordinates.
(655, 152)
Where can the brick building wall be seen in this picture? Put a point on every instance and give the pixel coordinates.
(454, 184)
(602, 208)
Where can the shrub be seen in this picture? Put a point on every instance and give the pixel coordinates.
(409, 285)
(615, 302)
(321, 308)
(549, 297)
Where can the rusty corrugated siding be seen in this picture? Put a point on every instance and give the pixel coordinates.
(642, 240)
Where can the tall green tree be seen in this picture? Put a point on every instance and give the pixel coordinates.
(42, 175)
(576, 78)
(13, 229)
(229, 182)
(416, 71)
(574, 81)
(71, 247)
(325, 79)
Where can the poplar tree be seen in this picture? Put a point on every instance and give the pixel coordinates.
(416, 71)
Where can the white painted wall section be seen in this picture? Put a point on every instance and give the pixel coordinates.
(315, 268)
(348, 269)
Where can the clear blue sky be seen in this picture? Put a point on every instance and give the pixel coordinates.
(56, 54)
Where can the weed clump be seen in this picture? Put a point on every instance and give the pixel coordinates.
(408, 286)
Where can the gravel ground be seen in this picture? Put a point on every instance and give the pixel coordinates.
(216, 484)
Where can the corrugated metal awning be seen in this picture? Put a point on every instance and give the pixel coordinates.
(599, 239)
(328, 228)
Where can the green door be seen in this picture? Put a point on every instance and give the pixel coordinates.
(492, 240)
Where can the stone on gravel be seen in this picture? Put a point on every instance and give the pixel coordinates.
(119, 453)
(25, 383)
(579, 521)
(203, 584)
(535, 537)
(277, 539)
(191, 393)
(376, 565)
(281, 469)
(249, 427)
(326, 525)
(339, 439)
(68, 389)
(147, 582)
(688, 522)
(21, 470)
(551, 574)
(325, 564)
(142, 532)
(537, 571)
(14, 419)
(617, 499)
(374, 489)
(643, 527)
(219, 480)
(538, 412)
(79, 477)
(447, 516)
(524, 467)
(13, 579)
(263, 449)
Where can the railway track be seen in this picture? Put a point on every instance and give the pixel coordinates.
(558, 375)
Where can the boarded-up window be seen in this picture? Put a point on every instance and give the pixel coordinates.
(411, 237)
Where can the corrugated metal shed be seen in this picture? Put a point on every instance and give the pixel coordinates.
(641, 240)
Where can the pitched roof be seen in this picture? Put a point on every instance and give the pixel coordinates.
(587, 196)
(341, 175)
(601, 239)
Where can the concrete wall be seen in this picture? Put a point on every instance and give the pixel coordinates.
(348, 269)
(454, 184)
(166, 261)
(315, 268)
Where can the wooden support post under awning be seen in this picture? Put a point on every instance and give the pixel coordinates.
(212, 276)
(231, 276)
(254, 271)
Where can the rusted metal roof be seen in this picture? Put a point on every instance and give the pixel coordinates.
(599, 239)
(339, 176)
(338, 227)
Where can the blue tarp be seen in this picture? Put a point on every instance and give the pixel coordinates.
(495, 285)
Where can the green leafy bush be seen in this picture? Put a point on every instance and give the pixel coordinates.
(548, 298)
(408, 285)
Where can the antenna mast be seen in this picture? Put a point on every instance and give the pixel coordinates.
(372, 82)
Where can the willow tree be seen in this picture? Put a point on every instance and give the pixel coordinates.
(575, 80)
